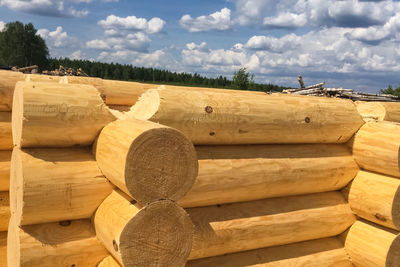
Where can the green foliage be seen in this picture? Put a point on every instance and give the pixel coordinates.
(21, 46)
(242, 79)
(391, 91)
(117, 71)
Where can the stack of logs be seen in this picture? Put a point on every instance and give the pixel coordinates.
(218, 178)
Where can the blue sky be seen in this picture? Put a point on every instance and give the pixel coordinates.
(350, 43)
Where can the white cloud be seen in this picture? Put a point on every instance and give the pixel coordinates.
(114, 24)
(56, 8)
(98, 44)
(220, 20)
(57, 38)
(277, 45)
(2, 25)
(250, 12)
(76, 55)
(286, 20)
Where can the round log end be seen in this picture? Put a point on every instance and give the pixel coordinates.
(17, 116)
(147, 105)
(393, 256)
(161, 163)
(396, 209)
(160, 234)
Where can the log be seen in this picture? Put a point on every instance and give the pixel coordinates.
(124, 93)
(109, 261)
(8, 79)
(42, 78)
(376, 198)
(4, 210)
(376, 147)
(229, 174)
(256, 224)
(5, 158)
(3, 249)
(95, 82)
(216, 117)
(371, 245)
(328, 252)
(146, 160)
(69, 243)
(159, 234)
(57, 115)
(380, 111)
(50, 185)
(6, 142)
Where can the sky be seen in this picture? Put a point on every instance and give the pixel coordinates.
(352, 44)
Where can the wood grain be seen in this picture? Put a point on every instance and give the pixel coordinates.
(229, 174)
(5, 160)
(256, 224)
(6, 142)
(3, 249)
(4, 210)
(380, 111)
(218, 117)
(8, 79)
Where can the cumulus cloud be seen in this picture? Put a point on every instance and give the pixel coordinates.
(76, 55)
(55, 8)
(98, 44)
(220, 20)
(57, 38)
(277, 45)
(285, 20)
(250, 12)
(113, 24)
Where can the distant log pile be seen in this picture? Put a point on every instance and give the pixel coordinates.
(319, 90)
(193, 177)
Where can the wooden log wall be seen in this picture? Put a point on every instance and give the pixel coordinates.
(379, 111)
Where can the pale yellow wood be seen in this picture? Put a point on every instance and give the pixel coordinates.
(326, 252)
(109, 261)
(49, 185)
(381, 111)
(70, 243)
(42, 78)
(370, 245)
(8, 79)
(230, 174)
(147, 160)
(96, 82)
(57, 115)
(6, 142)
(218, 117)
(3, 249)
(159, 234)
(376, 197)
(376, 147)
(124, 93)
(4, 210)
(5, 158)
(256, 224)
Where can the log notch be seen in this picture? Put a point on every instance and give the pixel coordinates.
(3, 249)
(49, 185)
(95, 82)
(6, 142)
(328, 252)
(68, 243)
(371, 245)
(146, 160)
(124, 93)
(109, 261)
(380, 111)
(57, 115)
(159, 234)
(4, 210)
(42, 78)
(256, 224)
(217, 117)
(229, 174)
(8, 79)
(376, 198)
(376, 147)
(5, 158)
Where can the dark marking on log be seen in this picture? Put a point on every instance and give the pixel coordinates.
(242, 131)
(65, 223)
(115, 245)
(208, 109)
(212, 133)
(380, 217)
(307, 120)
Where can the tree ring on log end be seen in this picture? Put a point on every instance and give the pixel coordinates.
(161, 164)
(160, 234)
(393, 255)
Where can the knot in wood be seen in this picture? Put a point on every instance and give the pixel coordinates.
(65, 223)
(307, 120)
(209, 109)
(115, 245)
(380, 217)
